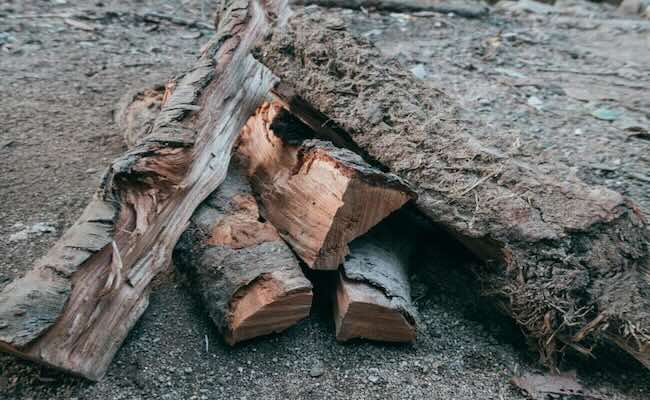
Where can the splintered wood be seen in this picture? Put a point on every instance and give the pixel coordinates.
(246, 275)
(568, 261)
(319, 197)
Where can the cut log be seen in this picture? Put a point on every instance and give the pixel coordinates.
(319, 197)
(570, 262)
(73, 310)
(248, 279)
(467, 9)
(373, 294)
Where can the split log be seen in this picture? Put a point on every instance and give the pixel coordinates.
(248, 278)
(373, 294)
(73, 310)
(319, 197)
(467, 9)
(570, 262)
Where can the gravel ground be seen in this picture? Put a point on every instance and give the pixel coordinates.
(59, 81)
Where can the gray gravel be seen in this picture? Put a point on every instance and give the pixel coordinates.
(59, 83)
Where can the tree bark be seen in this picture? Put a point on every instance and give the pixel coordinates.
(570, 262)
(319, 197)
(373, 294)
(75, 307)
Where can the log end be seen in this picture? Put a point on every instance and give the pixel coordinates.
(267, 306)
(363, 311)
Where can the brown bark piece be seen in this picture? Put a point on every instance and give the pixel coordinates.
(570, 262)
(248, 278)
(75, 307)
(373, 295)
(319, 197)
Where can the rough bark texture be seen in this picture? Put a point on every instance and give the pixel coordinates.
(136, 112)
(569, 261)
(248, 278)
(373, 294)
(468, 9)
(75, 307)
(319, 197)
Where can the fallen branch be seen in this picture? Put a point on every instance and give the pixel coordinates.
(558, 252)
(75, 307)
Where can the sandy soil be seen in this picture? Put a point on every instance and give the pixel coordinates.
(544, 79)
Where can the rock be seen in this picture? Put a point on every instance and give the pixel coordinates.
(317, 369)
(536, 103)
(373, 379)
(419, 71)
(629, 7)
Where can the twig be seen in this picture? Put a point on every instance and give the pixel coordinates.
(480, 181)
(157, 17)
(28, 16)
(573, 71)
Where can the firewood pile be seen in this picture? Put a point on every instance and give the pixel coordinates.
(288, 148)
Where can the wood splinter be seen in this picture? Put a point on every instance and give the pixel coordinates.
(319, 197)
(373, 294)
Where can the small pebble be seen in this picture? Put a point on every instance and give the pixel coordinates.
(317, 369)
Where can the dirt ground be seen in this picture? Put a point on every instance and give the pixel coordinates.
(566, 83)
